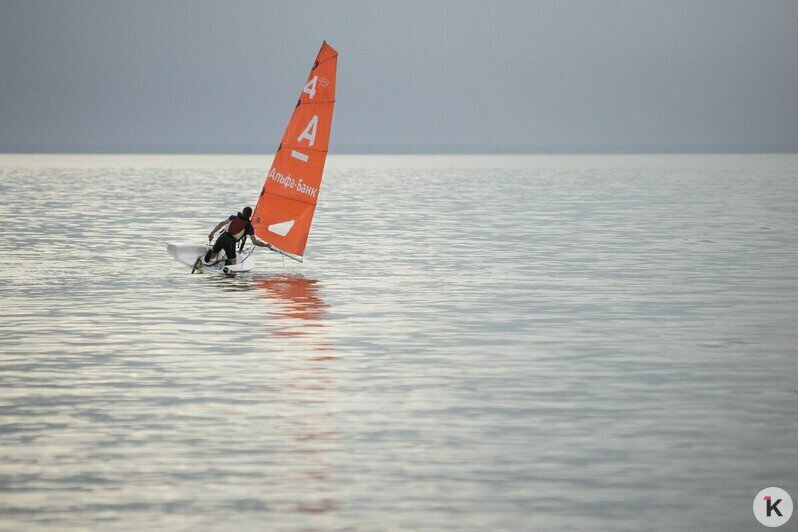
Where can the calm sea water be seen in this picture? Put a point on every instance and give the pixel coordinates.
(473, 342)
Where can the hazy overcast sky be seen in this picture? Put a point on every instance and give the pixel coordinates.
(224, 76)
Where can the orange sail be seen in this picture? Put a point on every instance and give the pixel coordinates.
(288, 199)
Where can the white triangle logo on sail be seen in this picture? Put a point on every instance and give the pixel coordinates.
(282, 228)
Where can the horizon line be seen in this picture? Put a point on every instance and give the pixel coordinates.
(405, 149)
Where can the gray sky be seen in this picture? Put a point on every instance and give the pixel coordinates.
(412, 75)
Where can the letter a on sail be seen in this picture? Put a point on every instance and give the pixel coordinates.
(284, 214)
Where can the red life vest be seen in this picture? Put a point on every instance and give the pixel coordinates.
(236, 226)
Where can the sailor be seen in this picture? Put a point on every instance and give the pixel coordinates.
(238, 227)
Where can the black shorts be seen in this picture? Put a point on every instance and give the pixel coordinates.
(227, 243)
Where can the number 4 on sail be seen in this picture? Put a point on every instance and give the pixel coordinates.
(287, 201)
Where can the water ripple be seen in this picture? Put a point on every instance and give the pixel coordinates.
(595, 343)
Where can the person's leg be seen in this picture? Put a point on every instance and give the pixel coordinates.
(214, 251)
(230, 250)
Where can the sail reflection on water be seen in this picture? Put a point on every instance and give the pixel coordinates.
(298, 304)
(308, 388)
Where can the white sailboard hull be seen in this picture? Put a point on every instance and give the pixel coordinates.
(187, 254)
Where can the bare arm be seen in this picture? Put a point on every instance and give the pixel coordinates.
(260, 243)
(218, 226)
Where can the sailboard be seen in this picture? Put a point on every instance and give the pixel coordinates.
(191, 254)
(287, 201)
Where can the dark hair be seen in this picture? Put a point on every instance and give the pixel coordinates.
(247, 212)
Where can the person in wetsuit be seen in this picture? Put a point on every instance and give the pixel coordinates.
(238, 228)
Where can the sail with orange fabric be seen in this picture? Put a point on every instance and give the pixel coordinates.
(287, 201)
